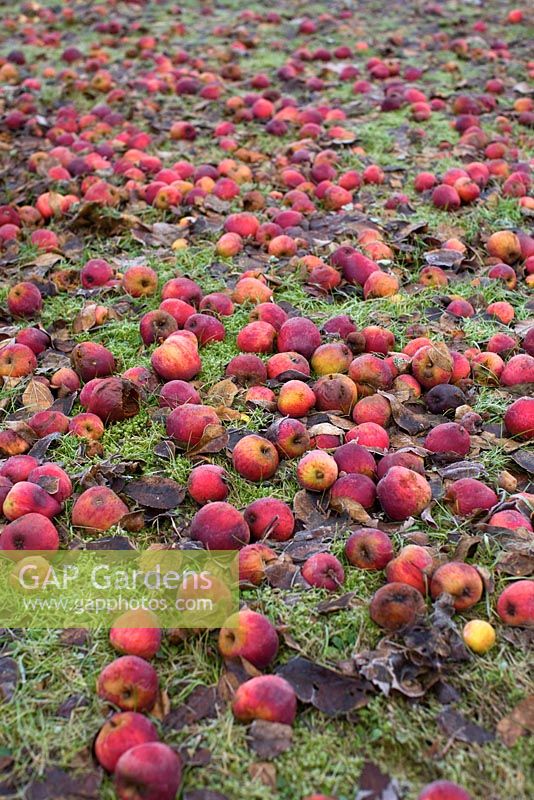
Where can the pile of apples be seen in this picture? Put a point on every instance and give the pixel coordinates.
(274, 210)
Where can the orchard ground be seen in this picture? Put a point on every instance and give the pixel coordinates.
(401, 736)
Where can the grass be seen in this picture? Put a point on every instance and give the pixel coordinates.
(399, 735)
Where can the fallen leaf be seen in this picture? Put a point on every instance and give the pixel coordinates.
(283, 574)
(411, 421)
(155, 492)
(355, 510)
(9, 677)
(222, 393)
(330, 692)
(74, 637)
(455, 725)
(341, 603)
(36, 397)
(40, 448)
(264, 772)
(525, 459)
(214, 439)
(59, 785)
(376, 785)
(201, 704)
(518, 722)
(71, 704)
(269, 739)
(200, 757)
(307, 507)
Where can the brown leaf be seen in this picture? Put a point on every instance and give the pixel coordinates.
(269, 739)
(201, 704)
(283, 574)
(214, 439)
(309, 542)
(411, 421)
(525, 459)
(330, 692)
(71, 704)
(222, 393)
(9, 676)
(162, 705)
(74, 637)
(466, 547)
(236, 671)
(518, 722)
(307, 508)
(443, 258)
(36, 396)
(155, 492)
(520, 565)
(376, 785)
(264, 772)
(355, 510)
(341, 603)
(40, 448)
(200, 757)
(59, 785)
(455, 725)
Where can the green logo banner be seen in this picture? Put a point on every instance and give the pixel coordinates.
(118, 588)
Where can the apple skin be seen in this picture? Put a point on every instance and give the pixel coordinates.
(122, 731)
(187, 423)
(444, 790)
(413, 565)
(24, 300)
(479, 635)
(220, 526)
(295, 399)
(253, 559)
(98, 508)
(176, 359)
(267, 697)
(130, 683)
(130, 636)
(369, 548)
(208, 483)
(251, 636)
(149, 771)
(178, 393)
(290, 437)
(92, 360)
(396, 606)
(16, 361)
(268, 517)
(316, 471)
(157, 326)
(29, 532)
(299, 335)
(255, 458)
(323, 571)
(403, 493)
(515, 605)
(58, 478)
(460, 580)
(27, 498)
(17, 468)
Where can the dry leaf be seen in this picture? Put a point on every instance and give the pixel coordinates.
(222, 393)
(518, 722)
(36, 397)
(264, 772)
